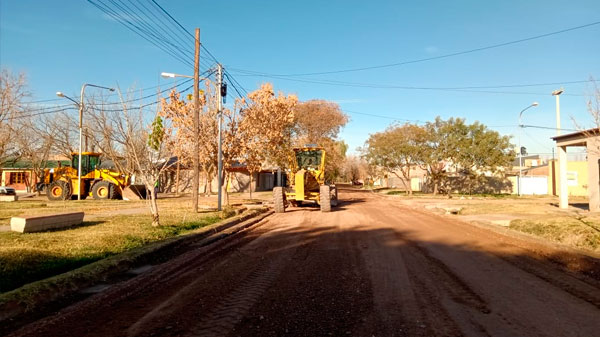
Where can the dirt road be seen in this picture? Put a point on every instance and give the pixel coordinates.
(370, 268)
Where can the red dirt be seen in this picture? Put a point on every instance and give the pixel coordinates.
(369, 268)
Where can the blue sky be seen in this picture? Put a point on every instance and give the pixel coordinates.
(63, 44)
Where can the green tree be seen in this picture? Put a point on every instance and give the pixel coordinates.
(397, 150)
(472, 150)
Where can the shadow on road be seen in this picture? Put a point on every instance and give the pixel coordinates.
(380, 274)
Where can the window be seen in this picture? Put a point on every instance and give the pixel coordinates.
(17, 178)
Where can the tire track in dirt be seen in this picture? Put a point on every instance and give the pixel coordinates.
(531, 261)
(143, 291)
(230, 311)
(195, 301)
(424, 287)
(525, 293)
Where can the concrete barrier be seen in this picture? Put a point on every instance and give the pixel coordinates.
(29, 224)
(8, 198)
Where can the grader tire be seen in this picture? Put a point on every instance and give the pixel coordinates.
(334, 195)
(325, 198)
(103, 190)
(59, 190)
(278, 199)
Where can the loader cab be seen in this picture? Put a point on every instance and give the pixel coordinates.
(89, 161)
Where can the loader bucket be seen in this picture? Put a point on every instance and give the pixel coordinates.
(134, 192)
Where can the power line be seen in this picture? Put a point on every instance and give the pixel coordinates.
(129, 101)
(139, 31)
(380, 86)
(93, 107)
(393, 86)
(445, 55)
(109, 95)
(382, 116)
(164, 11)
(546, 127)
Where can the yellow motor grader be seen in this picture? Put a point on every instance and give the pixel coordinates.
(62, 183)
(306, 181)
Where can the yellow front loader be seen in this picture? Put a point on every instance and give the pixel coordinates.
(306, 181)
(62, 183)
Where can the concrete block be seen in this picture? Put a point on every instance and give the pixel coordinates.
(9, 198)
(40, 223)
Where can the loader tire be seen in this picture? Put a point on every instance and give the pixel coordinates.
(59, 190)
(103, 190)
(278, 199)
(334, 195)
(325, 198)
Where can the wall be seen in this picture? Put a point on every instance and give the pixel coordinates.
(5, 179)
(577, 177)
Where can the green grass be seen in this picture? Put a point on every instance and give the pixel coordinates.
(29, 257)
(573, 231)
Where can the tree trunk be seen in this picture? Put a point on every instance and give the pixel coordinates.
(251, 174)
(209, 183)
(154, 207)
(224, 187)
(177, 179)
(404, 178)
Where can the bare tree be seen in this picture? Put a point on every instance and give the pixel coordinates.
(137, 143)
(34, 146)
(13, 93)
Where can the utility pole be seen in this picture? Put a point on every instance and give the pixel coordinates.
(557, 94)
(196, 159)
(220, 140)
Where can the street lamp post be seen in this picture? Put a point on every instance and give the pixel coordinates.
(521, 152)
(81, 105)
(557, 93)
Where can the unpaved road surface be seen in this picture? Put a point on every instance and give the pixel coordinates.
(369, 268)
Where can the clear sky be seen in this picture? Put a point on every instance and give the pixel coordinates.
(62, 44)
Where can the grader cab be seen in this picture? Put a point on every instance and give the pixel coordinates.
(306, 182)
(62, 183)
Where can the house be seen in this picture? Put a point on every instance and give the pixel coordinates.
(178, 178)
(21, 176)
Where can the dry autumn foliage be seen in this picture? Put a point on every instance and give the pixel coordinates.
(319, 122)
(260, 130)
(265, 127)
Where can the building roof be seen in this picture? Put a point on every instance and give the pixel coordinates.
(26, 164)
(583, 134)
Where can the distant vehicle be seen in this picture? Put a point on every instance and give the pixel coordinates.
(357, 183)
(4, 190)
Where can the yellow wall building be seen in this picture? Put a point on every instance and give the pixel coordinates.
(577, 178)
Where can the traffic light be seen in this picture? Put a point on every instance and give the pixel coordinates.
(523, 151)
(224, 91)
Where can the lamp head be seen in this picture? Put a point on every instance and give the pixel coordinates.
(557, 92)
(167, 75)
(535, 104)
(60, 94)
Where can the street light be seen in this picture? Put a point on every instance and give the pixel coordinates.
(557, 93)
(172, 75)
(81, 105)
(520, 150)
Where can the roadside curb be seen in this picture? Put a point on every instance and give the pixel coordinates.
(50, 290)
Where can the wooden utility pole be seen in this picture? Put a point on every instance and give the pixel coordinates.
(196, 121)
(220, 138)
